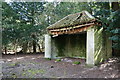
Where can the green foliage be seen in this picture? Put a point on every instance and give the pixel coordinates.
(20, 23)
(115, 31)
(21, 20)
(76, 62)
(115, 38)
(110, 20)
(114, 25)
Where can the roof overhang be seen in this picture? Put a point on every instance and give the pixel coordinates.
(74, 27)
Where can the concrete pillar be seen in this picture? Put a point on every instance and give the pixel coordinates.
(54, 49)
(90, 47)
(47, 46)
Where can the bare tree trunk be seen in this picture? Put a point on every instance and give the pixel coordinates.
(5, 50)
(34, 46)
(25, 47)
(39, 48)
(115, 7)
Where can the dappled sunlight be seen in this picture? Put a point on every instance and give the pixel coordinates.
(9, 60)
(104, 65)
(20, 58)
(33, 58)
(28, 63)
(112, 61)
(100, 30)
(113, 75)
(27, 56)
(59, 39)
(14, 59)
(98, 55)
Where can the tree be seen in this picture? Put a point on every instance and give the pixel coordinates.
(8, 29)
(24, 23)
(27, 18)
(115, 28)
(109, 15)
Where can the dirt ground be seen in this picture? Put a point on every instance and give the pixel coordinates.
(35, 66)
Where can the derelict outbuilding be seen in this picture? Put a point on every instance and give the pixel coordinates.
(78, 35)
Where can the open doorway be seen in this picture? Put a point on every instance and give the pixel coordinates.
(70, 45)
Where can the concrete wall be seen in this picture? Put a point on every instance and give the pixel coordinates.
(99, 47)
(73, 45)
(103, 46)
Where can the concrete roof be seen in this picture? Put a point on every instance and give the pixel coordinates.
(73, 20)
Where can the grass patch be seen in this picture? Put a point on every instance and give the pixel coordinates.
(41, 71)
(58, 60)
(23, 74)
(14, 75)
(77, 62)
(13, 64)
(33, 72)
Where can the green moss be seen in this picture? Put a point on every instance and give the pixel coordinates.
(48, 58)
(98, 45)
(33, 72)
(14, 75)
(76, 62)
(101, 45)
(70, 45)
(58, 60)
(41, 71)
(73, 19)
(23, 74)
(13, 64)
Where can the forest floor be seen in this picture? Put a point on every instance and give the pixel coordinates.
(35, 66)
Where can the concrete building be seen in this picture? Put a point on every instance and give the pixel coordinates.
(78, 35)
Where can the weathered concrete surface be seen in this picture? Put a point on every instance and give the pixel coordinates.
(90, 47)
(97, 46)
(103, 46)
(47, 46)
(69, 45)
(108, 45)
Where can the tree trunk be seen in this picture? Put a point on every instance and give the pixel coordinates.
(5, 50)
(25, 47)
(39, 48)
(115, 7)
(34, 46)
(33, 35)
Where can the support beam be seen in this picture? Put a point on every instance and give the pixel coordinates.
(47, 46)
(90, 47)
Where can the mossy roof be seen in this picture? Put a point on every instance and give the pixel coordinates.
(73, 20)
